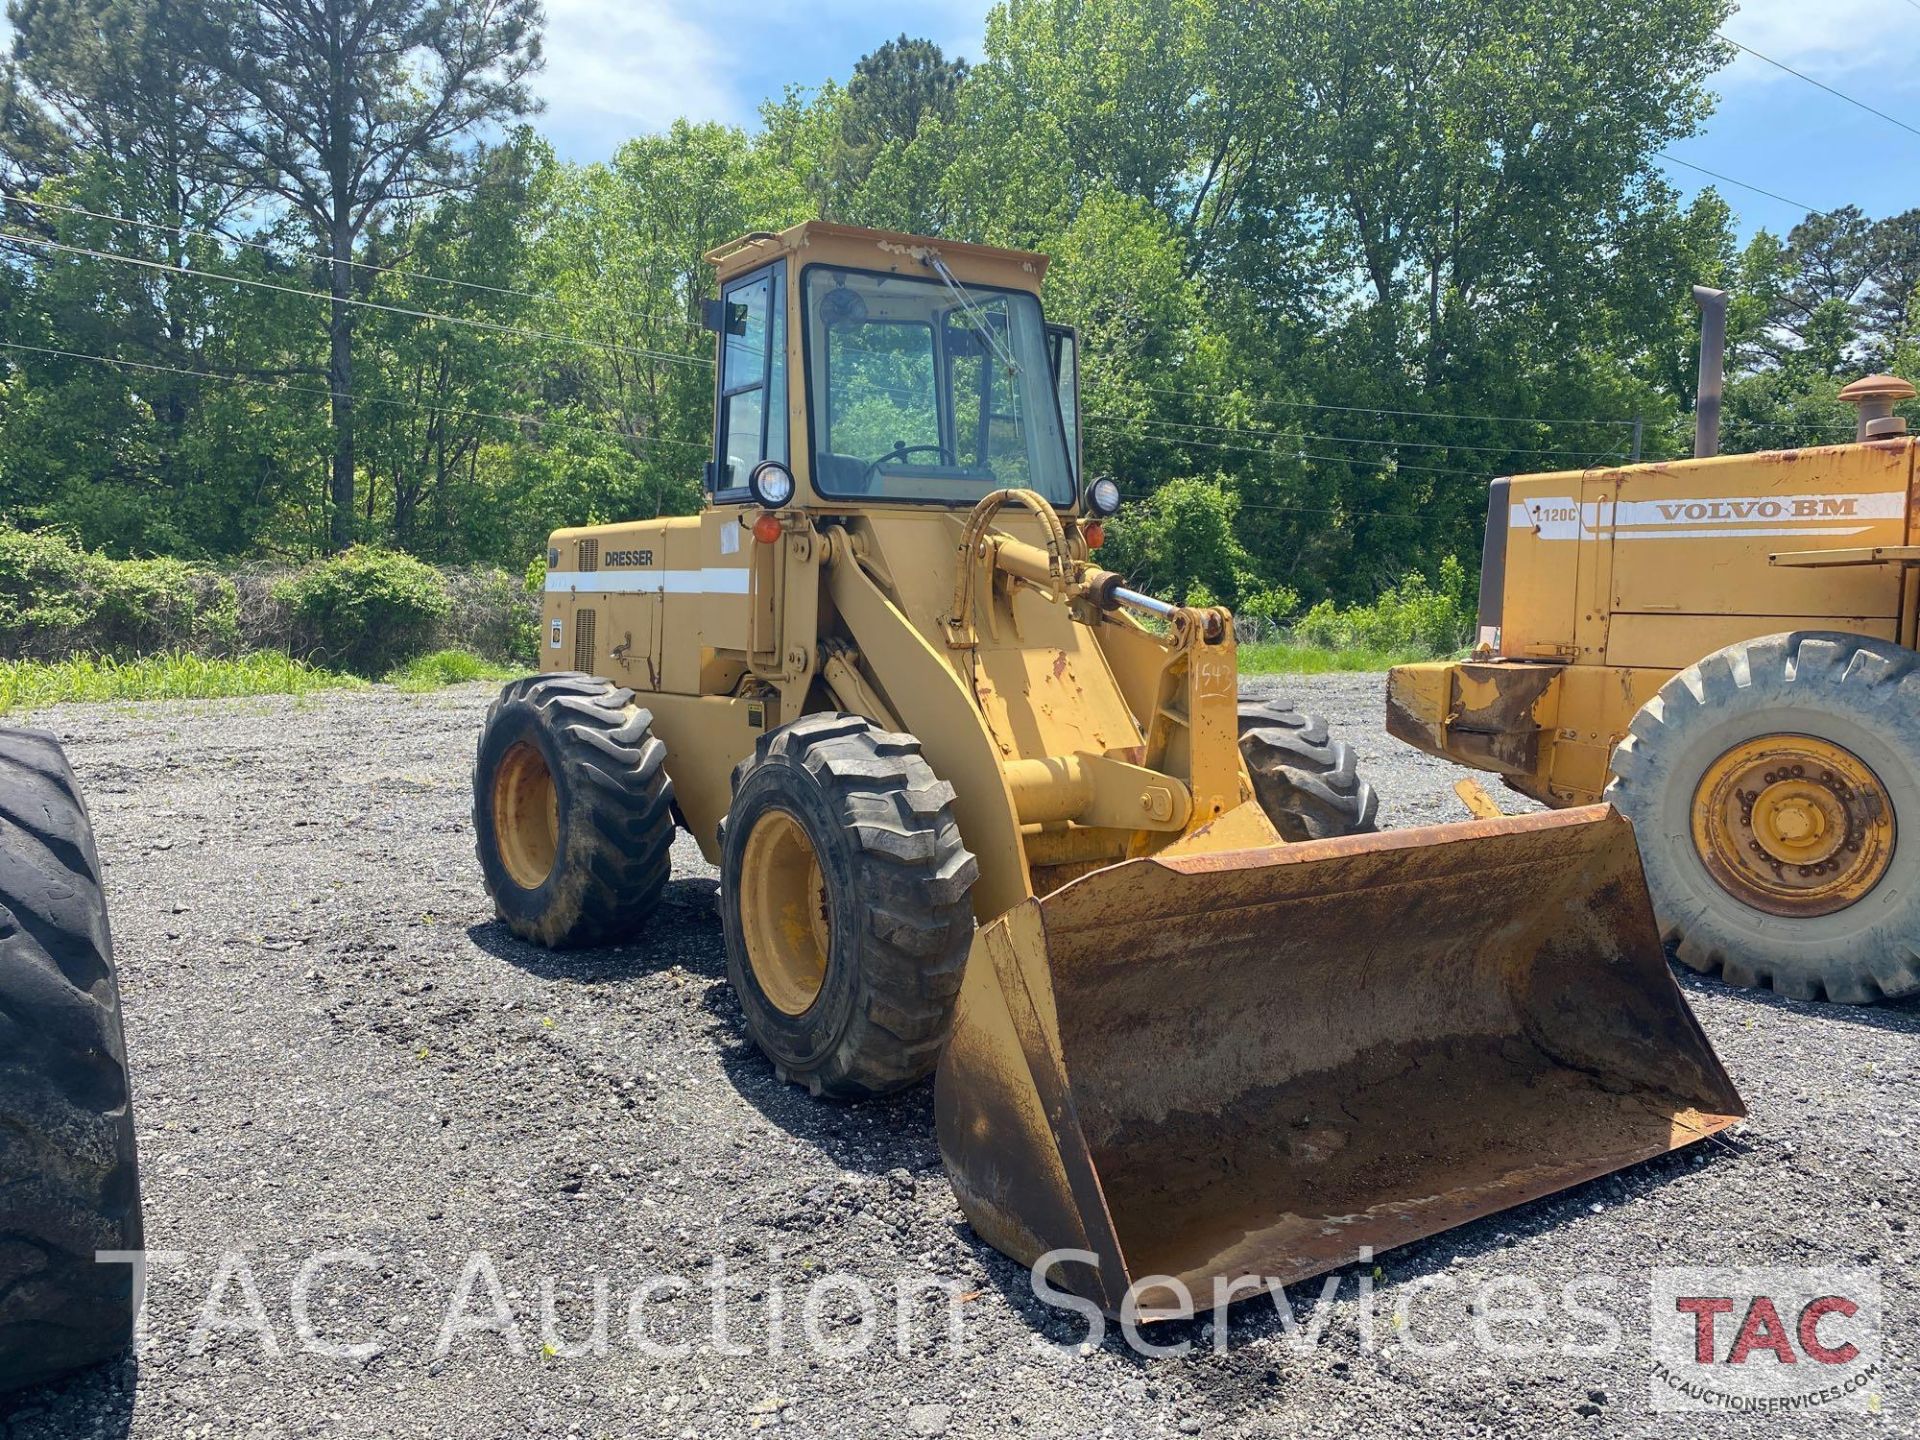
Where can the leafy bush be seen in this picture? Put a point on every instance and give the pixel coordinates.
(493, 614)
(1178, 542)
(1269, 604)
(152, 605)
(364, 610)
(1413, 617)
(44, 588)
(57, 599)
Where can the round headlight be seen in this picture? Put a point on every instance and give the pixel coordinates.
(1103, 496)
(771, 484)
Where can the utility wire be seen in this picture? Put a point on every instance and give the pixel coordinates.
(491, 325)
(1341, 439)
(1398, 414)
(1741, 184)
(284, 388)
(1290, 454)
(1837, 94)
(315, 255)
(1311, 509)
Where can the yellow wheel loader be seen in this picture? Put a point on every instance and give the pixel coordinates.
(1724, 648)
(979, 806)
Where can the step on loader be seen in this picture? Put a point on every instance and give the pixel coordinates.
(981, 807)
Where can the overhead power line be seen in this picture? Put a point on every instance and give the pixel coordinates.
(1267, 401)
(496, 326)
(1341, 439)
(1820, 85)
(282, 387)
(1287, 453)
(545, 297)
(1740, 184)
(1314, 509)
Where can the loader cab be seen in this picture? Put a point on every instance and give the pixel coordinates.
(887, 370)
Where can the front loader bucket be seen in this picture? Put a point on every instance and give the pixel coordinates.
(1255, 1063)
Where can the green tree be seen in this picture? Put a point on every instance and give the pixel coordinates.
(894, 90)
(348, 109)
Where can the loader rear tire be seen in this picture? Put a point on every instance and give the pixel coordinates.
(1305, 780)
(69, 1185)
(572, 810)
(1829, 725)
(846, 899)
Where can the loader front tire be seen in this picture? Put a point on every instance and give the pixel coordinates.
(69, 1186)
(572, 810)
(846, 899)
(1774, 790)
(1305, 779)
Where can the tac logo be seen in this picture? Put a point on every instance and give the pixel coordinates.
(1766, 1341)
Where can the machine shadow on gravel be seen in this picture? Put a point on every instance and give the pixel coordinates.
(684, 932)
(894, 1132)
(97, 1403)
(1900, 1017)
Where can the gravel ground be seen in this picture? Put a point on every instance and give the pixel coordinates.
(335, 1049)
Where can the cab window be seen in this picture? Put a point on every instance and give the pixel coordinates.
(752, 406)
(925, 390)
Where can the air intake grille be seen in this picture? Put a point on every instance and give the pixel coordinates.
(589, 554)
(583, 641)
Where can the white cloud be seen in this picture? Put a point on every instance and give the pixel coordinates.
(1825, 38)
(616, 69)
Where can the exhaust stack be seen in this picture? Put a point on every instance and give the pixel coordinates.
(1713, 370)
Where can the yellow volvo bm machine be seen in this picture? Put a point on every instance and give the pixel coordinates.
(1723, 647)
(978, 805)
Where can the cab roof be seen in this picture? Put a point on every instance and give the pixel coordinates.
(824, 242)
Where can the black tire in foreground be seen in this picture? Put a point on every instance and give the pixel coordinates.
(69, 1184)
(846, 897)
(572, 810)
(1774, 790)
(1304, 779)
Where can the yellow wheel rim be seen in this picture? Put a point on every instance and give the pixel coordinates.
(784, 912)
(1793, 825)
(526, 816)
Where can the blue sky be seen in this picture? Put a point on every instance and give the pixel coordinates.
(621, 67)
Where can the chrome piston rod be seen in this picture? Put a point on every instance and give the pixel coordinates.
(1134, 600)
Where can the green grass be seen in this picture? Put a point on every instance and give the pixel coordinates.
(447, 667)
(1281, 657)
(31, 684)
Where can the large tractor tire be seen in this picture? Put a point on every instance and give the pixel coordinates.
(1304, 779)
(846, 897)
(69, 1184)
(572, 810)
(1774, 789)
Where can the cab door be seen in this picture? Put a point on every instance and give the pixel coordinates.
(1063, 349)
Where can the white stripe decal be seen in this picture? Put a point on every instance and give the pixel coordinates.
(708, 580)
(1690, 518)
(1723, 534)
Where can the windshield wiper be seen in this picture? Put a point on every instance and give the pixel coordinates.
(974, 317)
